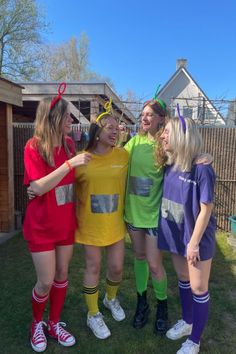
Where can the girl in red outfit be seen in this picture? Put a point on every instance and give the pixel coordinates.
(50, 221)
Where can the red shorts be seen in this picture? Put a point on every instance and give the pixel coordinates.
(52, 245)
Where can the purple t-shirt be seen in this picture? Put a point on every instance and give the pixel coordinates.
(182, 194)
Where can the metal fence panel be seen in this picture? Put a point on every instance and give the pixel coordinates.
(218, 141)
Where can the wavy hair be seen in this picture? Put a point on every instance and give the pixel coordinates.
(48, 126)
(186, 146)
(160, 155)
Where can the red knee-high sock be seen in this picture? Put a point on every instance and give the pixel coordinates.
(38, 305)
(57, 299)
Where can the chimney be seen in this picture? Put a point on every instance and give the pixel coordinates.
(181, 63)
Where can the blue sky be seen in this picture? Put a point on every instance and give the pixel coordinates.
(137, 43)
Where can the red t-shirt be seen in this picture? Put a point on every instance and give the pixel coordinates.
(50, 217)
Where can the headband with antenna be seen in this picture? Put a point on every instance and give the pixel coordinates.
(182, 120)
(158, 100)
(61, 90)
(107, 107)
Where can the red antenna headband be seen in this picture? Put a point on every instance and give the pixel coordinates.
(61, 90)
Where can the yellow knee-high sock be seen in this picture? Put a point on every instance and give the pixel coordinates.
(91, 298)
(111, 288)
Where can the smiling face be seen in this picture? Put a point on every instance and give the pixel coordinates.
(67, 122)
(165, 136)
(109, 132)
(150, 120)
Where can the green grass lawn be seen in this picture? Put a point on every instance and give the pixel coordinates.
(17, 278)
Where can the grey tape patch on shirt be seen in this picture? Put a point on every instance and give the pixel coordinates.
(172, 211)
(140, 186)
(104, 203)
(65, 194)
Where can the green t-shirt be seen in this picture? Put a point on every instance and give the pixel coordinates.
(144, 184)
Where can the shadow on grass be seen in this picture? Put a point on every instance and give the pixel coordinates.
(17, 278)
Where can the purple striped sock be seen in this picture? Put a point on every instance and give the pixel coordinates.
(186, 299)
(200, 315)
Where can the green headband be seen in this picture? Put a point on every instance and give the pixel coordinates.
(158, 100)
(161, 103)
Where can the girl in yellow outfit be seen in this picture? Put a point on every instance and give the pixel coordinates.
(100, 195)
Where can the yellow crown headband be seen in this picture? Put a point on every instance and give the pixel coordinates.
(107, 107)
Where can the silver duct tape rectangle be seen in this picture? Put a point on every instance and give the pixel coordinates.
(172, 211)
(104, 203)
(65, 194)
(140, 186)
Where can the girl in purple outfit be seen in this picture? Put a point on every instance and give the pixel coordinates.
(187, 227)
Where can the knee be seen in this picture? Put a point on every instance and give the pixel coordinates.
(115, 271)
(61, 274)
(93, 268)
(140, 255)
(153, 268)
(199, 289)
(43, 287)
(183, 275)
(156, 270)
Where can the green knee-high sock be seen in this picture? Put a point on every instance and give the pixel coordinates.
(160, 288)
(141, 271)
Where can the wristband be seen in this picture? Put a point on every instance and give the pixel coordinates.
(68, 165)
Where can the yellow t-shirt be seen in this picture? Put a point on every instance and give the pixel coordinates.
(100, 189)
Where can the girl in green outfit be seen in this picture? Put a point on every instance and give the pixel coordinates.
(142, 204)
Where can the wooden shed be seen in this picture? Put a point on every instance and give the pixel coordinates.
(10, 95)
(86, 101)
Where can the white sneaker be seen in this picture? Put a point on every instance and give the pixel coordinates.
(114, 306)
(179, 330)
(189, 347)
(98, 326)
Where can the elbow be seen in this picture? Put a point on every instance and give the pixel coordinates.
(36, 189)
(210, 207)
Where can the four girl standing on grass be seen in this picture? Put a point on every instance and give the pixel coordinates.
(100, 194)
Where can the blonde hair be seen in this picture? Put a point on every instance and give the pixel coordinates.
(185, 145)
(48, 126)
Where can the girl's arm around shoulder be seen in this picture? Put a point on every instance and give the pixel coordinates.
(204, 158)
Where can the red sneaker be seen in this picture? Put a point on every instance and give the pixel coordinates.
(38, 340)
(56, 331)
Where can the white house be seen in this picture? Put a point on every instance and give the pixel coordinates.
(181, 88)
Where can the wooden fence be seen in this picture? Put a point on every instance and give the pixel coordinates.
(218, 141)
(221, 143)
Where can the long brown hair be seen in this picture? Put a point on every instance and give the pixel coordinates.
(48, 126)
(161, 111)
